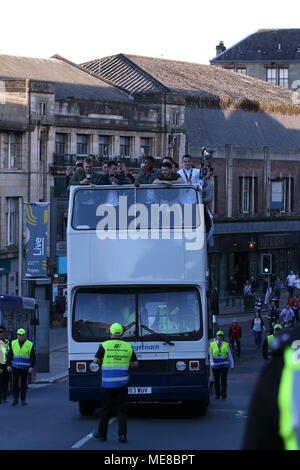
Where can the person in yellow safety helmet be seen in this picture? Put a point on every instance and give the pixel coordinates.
(116, 356)
(266, 346)
(20, 360)
(220, 360)
(273, 417)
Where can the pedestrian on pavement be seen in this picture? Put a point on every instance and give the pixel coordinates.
(267, 344)
(290, 283)
(234, 335)
(257, 326)
(231, 289)
(273, 315)
(21, 361)
(4, 374)
(295, 305)
(116, 356)
(277, 287)
(273, 418)
(248, 296)
(287, 316)
(220, 360)
(296, 285)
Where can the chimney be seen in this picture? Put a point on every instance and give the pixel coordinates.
(220, 48)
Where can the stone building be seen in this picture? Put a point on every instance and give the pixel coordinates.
(50, 111)
(254, 129)
(272, 55)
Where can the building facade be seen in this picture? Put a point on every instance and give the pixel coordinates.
(272, 55)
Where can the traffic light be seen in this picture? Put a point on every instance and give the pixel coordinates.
(266, 263)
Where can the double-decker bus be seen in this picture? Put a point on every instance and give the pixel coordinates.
(18, 312)
(138, 256)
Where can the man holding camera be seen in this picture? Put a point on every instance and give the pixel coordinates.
(85, 175)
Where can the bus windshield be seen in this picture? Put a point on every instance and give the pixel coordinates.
(123, 204)
(152, 312)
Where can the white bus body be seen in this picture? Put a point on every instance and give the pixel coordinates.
(154, 278)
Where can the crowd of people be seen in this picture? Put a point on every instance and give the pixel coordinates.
(115, 172)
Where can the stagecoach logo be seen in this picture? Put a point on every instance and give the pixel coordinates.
(178, 221)
(117, 346)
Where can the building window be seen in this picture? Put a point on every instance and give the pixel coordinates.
(12, 150)
(241, 70)
(125, 146)
(238, 70)
(43, 108)
(145, 146)
(248, 194)
(104, 147)
(176, 118)
(11, 220)
(278, 76)
(61, 143)
(82, 144)
(282, 194)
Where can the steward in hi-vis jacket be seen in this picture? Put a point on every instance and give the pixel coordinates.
(116, 356)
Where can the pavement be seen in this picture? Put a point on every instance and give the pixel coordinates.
(58, 355)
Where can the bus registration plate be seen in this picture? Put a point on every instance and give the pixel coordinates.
(139, 390)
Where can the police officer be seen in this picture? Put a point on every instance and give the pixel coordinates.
(21, 360)
(4, 375)
(273, 419)
(266, 347)
(116, 356)
(220, 361)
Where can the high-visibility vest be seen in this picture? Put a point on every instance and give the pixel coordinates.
(166, 325)
(220, 355)
(115, 363)
(21, 355)
(4, 345)
(288, 400)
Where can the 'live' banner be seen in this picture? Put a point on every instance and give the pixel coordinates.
(36, 239)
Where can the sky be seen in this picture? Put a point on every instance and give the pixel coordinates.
(186, 30)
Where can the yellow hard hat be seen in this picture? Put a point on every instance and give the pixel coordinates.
(116, 329)
(21, 331)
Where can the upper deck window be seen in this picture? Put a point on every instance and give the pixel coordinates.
(135, 208)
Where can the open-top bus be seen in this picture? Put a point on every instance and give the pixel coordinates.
(138, 256)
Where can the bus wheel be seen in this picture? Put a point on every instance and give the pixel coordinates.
(86, 408)
(195, 407)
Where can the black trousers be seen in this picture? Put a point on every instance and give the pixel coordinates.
(17, 376)
(220, 378)
(113, 401)
(4, 380)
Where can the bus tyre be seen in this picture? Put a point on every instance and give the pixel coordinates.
(86, 408)
(196, 407)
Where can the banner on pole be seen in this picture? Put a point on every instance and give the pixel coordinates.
(37, 214)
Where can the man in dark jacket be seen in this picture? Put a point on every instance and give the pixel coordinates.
(86, 175)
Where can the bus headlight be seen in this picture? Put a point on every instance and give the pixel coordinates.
(94, 367)
(180, 365)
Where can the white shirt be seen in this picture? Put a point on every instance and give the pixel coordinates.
(190, 176)
(290, 279)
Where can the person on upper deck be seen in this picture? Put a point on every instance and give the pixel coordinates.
(189, 174)
(85, 175)
(167, 176)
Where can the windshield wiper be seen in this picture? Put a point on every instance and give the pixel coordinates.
(126, 327)
(158, 334)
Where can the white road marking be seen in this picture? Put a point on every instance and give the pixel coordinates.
(88, 437)
(238, 413)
